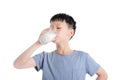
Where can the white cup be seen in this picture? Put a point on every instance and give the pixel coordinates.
(47, 37)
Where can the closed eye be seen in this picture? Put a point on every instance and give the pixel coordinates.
(58, 27)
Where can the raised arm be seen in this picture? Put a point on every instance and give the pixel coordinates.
(25, 60)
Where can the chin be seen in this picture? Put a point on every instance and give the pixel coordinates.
(55, 41)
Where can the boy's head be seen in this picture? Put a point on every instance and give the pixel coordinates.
(65, 17)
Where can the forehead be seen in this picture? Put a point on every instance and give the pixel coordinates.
(58, 23)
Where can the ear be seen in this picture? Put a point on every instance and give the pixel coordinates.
(71, 32)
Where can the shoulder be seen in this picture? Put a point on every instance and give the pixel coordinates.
(45, 54)
(42, 55)
(81, 53)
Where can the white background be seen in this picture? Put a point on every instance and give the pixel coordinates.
(98, 32)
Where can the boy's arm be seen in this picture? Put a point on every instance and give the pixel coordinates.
(102, 75)
(25, 60)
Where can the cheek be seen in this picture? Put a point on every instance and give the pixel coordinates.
(62, 35)
(59, 35)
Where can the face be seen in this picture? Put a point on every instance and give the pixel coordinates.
(63, 33)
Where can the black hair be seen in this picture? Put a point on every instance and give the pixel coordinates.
(65, 17)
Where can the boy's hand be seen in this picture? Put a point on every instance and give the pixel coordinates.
(43, 32)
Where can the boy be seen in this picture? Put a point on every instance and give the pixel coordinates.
(63, 63)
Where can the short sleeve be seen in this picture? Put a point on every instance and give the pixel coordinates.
(91, 65)
(39, 61)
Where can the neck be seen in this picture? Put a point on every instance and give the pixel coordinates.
(64, 49)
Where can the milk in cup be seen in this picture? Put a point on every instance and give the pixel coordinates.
(47, 37)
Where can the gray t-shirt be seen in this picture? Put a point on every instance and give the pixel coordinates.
(65, 67)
